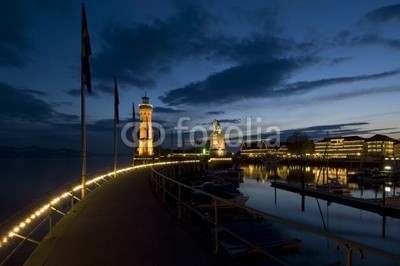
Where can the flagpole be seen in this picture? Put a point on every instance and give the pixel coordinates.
(115, 148)
(133, 131)
(116, 118)
(85, 81)
(83, 120)
(83, 139)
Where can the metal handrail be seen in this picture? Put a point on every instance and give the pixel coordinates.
(17, 226)
(348, 244)
(215, 221)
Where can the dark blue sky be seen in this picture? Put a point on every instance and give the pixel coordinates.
(316, 66)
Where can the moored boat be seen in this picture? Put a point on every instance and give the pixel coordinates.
(333, 186)
(224, 190)
(234, 174)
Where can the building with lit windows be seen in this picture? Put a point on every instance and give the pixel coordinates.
(340, 147)
(253, 149)
(380, 146)
(261, 149)
(397, 150)
(377, 146)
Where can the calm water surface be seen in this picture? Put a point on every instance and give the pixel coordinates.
(350, 223)
(24, 180)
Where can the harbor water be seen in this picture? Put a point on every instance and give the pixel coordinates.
(25, 180)
(350, 223)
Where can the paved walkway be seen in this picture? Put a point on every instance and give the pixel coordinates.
(121, 223)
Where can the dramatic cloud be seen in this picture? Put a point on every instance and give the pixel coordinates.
(356, 39)
(333, 130)
(334, 126)
(356, 93)
(339, 60)
(15, 45)
(139, 53)
(39, 93)
(366, 30)
(229, 121)
(215, 113)
(254, 81)
(384, 14)
(23, 105)
(305, 86)
(246, 81)
(166, 110)
(73, 92)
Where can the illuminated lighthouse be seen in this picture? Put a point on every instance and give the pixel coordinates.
(145, 129)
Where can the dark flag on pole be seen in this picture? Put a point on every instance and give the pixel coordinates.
(86, 51)
(116, 102)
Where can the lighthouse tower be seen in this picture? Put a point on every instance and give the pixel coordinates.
(145, 128)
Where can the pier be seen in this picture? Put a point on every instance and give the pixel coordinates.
(121, 223)
(384, 207)
(375, 206)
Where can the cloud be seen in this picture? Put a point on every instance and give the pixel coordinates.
(371, 39)
(333, 130)
(258, 79)
(356, 93)
(254, 48)
(334, 126)
(304, 86)
(73, 92)
(36, 92)
(339, 60)
(23, 105)
(166, 110)
(253, 80)
(139, 53)
(77, 93)
(229, 121)
(215, 113)
(383, 14)
(367, 30)
(15, 45)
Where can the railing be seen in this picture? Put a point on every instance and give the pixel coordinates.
(166, 186)
(29, 224)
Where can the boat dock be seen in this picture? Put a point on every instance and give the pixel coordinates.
(390, 209)
(122, 223)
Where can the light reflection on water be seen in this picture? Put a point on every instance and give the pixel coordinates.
(357, 225)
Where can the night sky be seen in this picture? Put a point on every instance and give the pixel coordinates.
(316, 66)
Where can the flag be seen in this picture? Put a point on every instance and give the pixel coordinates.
(116, 102)
(86, 51)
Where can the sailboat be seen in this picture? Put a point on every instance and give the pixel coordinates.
(332, 185)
